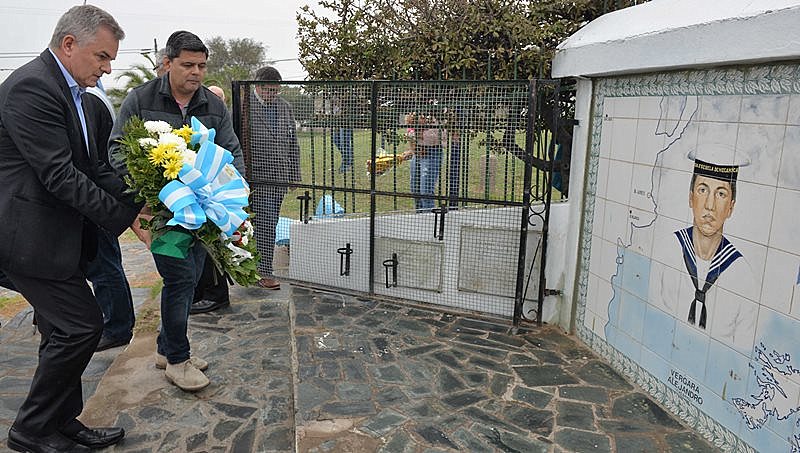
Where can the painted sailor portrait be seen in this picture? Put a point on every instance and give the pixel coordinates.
(706, 252)
(702, 278)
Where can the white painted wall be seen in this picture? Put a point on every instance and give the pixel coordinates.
(314, 257)
(672, 34)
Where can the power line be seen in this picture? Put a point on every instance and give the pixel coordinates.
(36, 54)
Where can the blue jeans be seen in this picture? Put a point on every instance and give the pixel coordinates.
(111, 288)
(180, 277)
(343, 139)
(425, 168)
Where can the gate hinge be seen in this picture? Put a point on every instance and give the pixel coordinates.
(553, 292)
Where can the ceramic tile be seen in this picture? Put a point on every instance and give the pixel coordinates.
(759, 146)
(789, 171)
(650, 107)
(794, 110)
(770, 109)
(648, 143)
(657, 321)
(606, 133)
(663, 288)
(626, 107)
(641, 238)
(636, 278)
(732, 319)
(677, 147)
(622, 145)
(690, 351)
(673, 195)
(599, 217)
(617, 224)
(644, 180)
(716, 133)
(720, 108)
(785, 228)
(602, 177)
(727, 371)
(752, 212)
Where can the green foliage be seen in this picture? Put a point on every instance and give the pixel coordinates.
(232, 59)
(446, 39)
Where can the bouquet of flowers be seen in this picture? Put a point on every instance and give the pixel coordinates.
(384, 162)
(193, 192)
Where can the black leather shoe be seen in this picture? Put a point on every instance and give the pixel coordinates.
(54, 443)
(205, 306)
(95, 438)
(108, 343)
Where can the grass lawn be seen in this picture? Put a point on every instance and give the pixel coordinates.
(320, 162)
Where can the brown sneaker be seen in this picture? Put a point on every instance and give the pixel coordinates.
(269, 283)
(200, 364)
(186, 377)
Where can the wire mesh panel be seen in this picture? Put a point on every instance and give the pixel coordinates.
(415, 190)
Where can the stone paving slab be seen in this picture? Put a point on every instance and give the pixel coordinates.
(313, 371)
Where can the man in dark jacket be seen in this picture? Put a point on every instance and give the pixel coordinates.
(55, 196)
(174, 98)
(275, 155)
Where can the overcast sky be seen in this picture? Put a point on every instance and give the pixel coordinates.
(27, 25)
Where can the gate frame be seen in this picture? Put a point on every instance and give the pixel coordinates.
(560, 130)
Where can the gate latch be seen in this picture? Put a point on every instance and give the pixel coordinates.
(438, 226)
(304, 203)
(393, 264)
(344, 259)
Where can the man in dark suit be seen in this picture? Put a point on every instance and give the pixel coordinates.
(54, 198)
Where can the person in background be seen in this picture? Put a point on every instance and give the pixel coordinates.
(427, 139)
(211, 292)
(58, 194)
(105, 271)
(275, 164)
(174, 98)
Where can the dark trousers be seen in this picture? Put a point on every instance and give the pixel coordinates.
(212, 285)
(180, 278)
(70, 322)
(266, 204)
(111, 287)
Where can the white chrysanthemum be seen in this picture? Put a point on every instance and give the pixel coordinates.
(157, 127)
(189, 156)
(239, 254)
(148, 142)
(172, 139)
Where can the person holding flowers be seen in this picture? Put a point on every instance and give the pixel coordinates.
(168, 103)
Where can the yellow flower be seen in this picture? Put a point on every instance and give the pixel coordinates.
(185, 133)
(159, 154)
(172, 155)
(172, 167)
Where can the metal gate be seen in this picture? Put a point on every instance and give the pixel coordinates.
(437, 192)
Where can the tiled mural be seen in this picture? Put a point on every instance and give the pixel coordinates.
(690, 261)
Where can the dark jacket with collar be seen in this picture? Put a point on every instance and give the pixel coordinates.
(55, 191)
(153, 101)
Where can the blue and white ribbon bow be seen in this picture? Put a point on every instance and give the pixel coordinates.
(204, 191)
(200, 133)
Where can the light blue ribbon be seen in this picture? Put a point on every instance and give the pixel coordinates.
(199, 194)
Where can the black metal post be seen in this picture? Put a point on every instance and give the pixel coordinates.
(530, 130)
(372, 197)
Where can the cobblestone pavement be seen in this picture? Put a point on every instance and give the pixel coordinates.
(312, 371)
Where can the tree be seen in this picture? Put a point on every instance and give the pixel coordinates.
(439, 39)
(232, 59)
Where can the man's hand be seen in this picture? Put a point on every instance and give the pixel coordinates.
(142, 234)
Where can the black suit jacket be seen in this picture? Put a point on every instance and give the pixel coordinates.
(54, 192)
